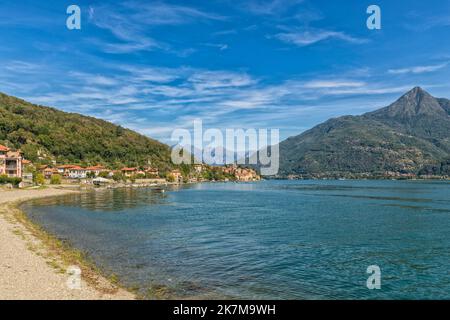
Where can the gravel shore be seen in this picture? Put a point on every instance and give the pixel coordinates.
(28, 271)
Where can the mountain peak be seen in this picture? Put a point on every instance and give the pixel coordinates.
(416, 102)
(417, 93)
(408, 137)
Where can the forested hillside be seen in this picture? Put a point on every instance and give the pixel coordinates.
(45, 134)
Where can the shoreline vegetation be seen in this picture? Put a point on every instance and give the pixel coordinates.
(34, 263)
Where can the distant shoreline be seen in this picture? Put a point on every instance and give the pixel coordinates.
(443, 178)
(33, 263)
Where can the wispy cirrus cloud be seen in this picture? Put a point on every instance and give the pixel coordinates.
(294, 20)
(423, 21)
(270, 7)
(22, 66)
(419, 69)
(308, 36)
(154, 100)
(225, 32)
(131, 21)
(219, 46)
(321, 84)
(161, 13)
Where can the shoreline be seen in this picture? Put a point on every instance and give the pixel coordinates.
(33, 263)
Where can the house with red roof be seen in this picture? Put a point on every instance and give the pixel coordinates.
(65, 169)
(48, 172)
(152, 171)
(96, 169)
(77, 172)
(128, 172)
(10, 162)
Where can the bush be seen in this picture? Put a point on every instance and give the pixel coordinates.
(90, 175)
(55, 179)
(118, 176)
(104, 174)
(15, 181)
(39, 179)
(3, 179)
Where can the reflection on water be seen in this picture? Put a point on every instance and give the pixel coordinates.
(272, 239)
(108, 199)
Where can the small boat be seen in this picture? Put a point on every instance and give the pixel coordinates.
(159, 190)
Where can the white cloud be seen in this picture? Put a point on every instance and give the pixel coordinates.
(418, 69)
(220, 46)
(94, 79)
(21, 66)
(310, 36)
(225, 32)
(143, 44)
(154, 74)
(270, 7)
(320, 84)
(168, 14)
(130, 23)
(137, 96)
(219, 79)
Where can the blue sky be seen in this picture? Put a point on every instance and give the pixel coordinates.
(154, 66)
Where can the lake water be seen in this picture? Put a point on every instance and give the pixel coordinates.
(264, 240)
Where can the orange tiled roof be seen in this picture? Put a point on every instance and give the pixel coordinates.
(95, 168)
(67, 166)
(129, 169)
(3, 148)
(24, 161)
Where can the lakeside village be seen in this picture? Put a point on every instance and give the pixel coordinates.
(15, 171)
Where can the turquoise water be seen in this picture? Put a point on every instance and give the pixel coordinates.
(264, 240)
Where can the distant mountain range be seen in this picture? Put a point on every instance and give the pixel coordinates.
(46, 135)
(411, 136)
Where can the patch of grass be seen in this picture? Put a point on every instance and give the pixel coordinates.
(114, 278)
(19, 233)
(160, 292)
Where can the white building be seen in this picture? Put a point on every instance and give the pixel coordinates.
(77, 173)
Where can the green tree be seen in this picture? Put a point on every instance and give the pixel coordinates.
(118, 176)
(15, 181)
(90, 175)
(55, 179)
(103, 174)
(140, 176)
(39, 179)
